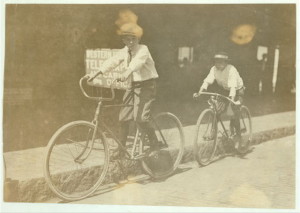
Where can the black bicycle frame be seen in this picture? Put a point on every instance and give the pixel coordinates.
(218, 116)
(223, 126)
(106, 128)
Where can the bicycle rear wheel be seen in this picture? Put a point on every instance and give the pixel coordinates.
(205, 142)
(246, 130)
(76, 164)
(169, 132)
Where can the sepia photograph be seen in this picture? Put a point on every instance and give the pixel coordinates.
(162, 105)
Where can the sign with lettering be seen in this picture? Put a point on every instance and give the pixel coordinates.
(93, 61)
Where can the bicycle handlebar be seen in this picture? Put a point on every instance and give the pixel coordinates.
(97, 98)
(219, 95)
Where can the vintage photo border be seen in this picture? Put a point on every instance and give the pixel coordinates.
(44, 207)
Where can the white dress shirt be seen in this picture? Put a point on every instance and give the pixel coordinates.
(228, 78)
(141, 64)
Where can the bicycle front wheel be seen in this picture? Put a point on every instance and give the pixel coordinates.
(205, 142)
(246, 130)
(76, 162)
(169, 132)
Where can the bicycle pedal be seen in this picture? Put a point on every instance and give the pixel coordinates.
(243, 130)
(162, 146)
(154, 154)
(207, 138)
(138, 157)
(79, 161)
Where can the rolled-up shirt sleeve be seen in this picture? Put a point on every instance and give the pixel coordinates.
(209, 79)
(232, 92)
(112, 62)
(232, 81)
(139, 60)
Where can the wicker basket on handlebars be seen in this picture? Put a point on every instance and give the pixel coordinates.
(221, 106)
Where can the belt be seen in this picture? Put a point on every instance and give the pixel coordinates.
(139, 82)
(136, 84)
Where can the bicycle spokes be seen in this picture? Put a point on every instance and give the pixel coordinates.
(77, 160)
(169, 146)
(205, 137)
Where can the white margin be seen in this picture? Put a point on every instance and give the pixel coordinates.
(44, 207)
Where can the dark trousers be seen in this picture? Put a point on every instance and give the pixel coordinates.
(235, 120)
(141, 96)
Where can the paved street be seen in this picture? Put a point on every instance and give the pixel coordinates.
(264, 178)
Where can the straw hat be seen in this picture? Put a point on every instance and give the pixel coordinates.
(131, 29)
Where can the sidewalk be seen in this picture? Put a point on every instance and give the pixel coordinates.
(266, 179)
(26, 166)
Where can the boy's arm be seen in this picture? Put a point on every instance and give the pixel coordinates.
(232, 82)
(112, 62)
(137, 61)
(232, 93)
(108, 65)
(208, 80)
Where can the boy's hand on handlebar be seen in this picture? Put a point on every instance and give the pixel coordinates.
(87, 76)
(196, 95)
(235, 102)
(238, 103)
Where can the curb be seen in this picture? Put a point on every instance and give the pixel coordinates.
(37, 190)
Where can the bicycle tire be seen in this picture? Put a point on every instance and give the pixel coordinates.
(201, 143)
(75, 179)
(169, 130)
(246, 131)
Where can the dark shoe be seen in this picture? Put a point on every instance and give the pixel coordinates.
(161, 145)
(120, 179)
(154, 149)
(117, 155)
(237, 139)
(154, 153)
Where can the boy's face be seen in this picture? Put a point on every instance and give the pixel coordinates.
(220, 64)
(130, 41)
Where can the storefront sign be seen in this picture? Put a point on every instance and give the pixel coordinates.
(93, 61)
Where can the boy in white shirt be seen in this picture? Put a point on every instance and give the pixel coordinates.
(227, 77)
(141, 67)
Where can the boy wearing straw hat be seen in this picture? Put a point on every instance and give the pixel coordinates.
(228, 78)
(141, 68)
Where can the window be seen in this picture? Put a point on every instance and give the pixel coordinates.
(261, 50)
(185, 56)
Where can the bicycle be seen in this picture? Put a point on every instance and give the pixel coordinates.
(205, 142)
(78, 154)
